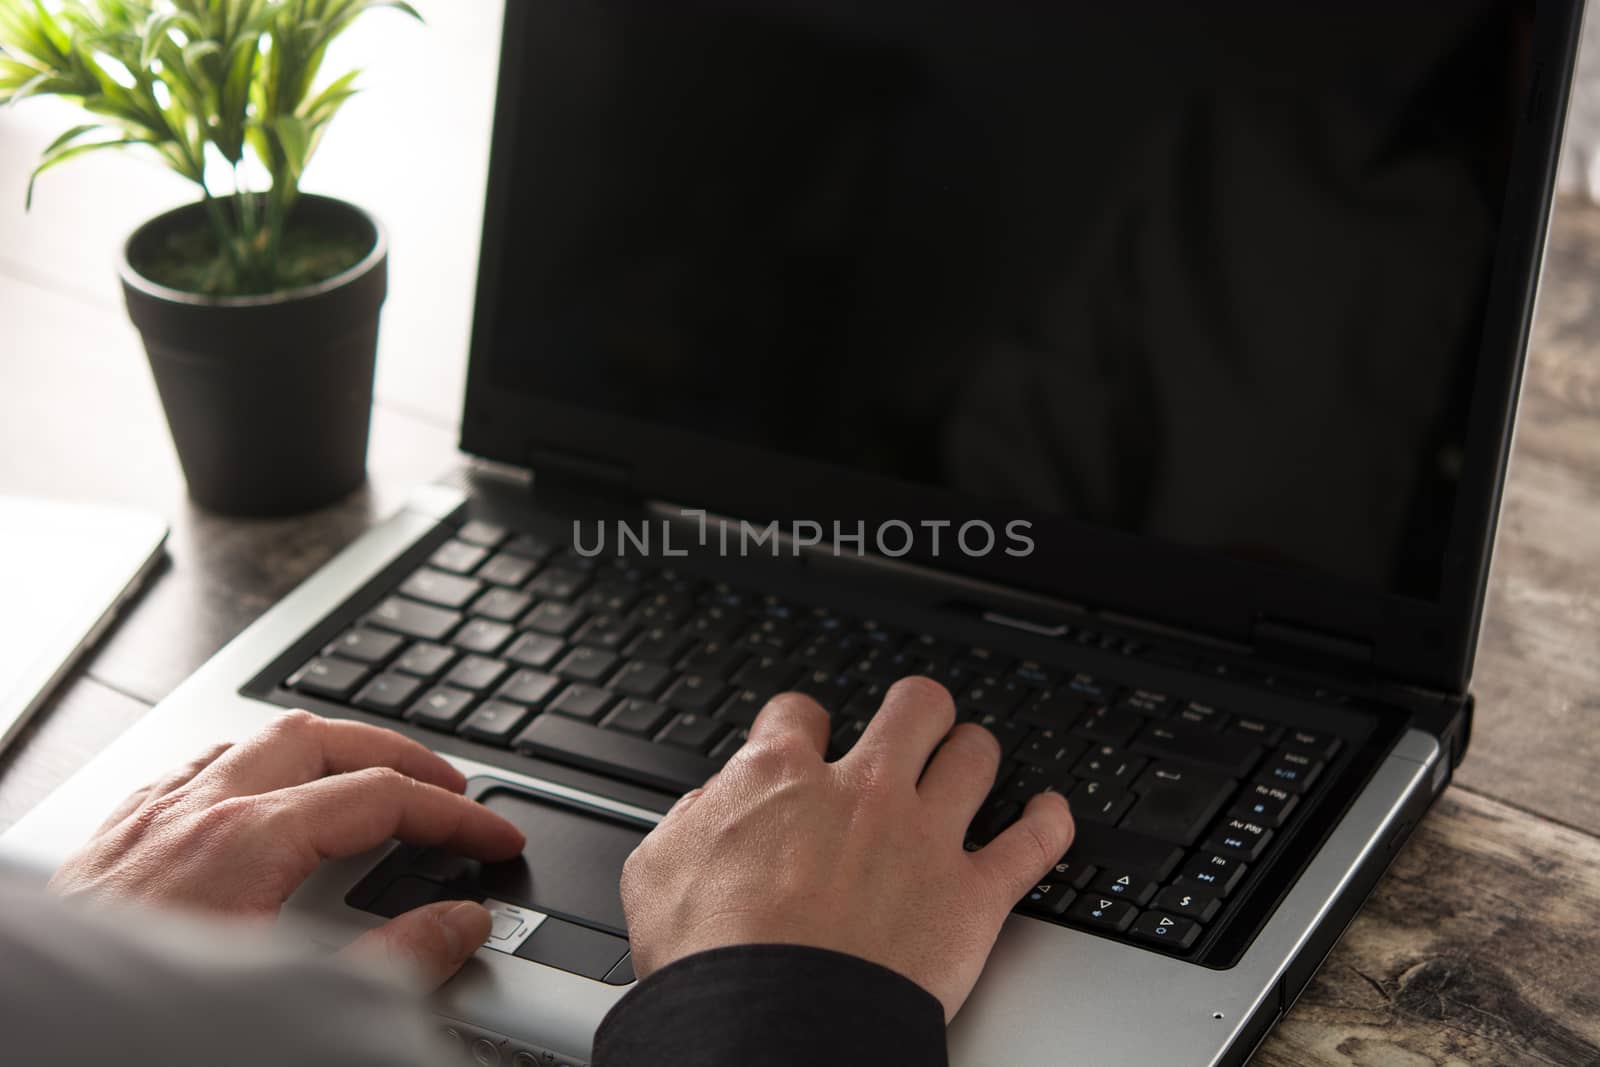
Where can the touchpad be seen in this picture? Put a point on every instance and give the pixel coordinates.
(571, 864)
(558, 903)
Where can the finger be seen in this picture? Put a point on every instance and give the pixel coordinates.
(431, 942)
(960, 776)
(792, 716)
(347, 814)
(300, 747)
(915, 716)
(1022, 853)
(162, 786)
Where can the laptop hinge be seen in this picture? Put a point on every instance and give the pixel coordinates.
(1273, 637)
(565, 473)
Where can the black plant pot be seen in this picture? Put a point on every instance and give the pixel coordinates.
(269, 398)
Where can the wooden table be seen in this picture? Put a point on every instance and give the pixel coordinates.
(1482, 944)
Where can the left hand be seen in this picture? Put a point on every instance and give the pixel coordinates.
(237, 830)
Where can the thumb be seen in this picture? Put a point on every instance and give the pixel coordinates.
(430, 942)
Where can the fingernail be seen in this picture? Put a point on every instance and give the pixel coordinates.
(466, 926)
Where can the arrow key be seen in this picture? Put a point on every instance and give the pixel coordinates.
(1100, 912)
(1124, 885)
(1165, 931)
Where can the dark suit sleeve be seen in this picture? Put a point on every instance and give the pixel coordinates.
(776, 1005)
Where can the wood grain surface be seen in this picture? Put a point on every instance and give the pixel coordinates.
(1478, 947)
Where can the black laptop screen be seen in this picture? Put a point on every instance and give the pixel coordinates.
(1212, 274)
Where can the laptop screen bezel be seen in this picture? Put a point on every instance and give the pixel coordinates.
(1422, 642)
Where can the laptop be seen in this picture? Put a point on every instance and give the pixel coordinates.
(1144, 376)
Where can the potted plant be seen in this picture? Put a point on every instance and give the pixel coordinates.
(258, 305)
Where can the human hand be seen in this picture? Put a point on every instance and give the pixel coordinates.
(862, 856)
(237, 830)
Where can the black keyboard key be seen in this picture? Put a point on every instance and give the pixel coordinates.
(413, 619)
(529, 546)
(698, 693)
(1053, 751)
(990, 693)
(716, 623)
(483, 636)
(1294, 771)
(1103, 913)
(716, 658)
(441, 707)
(1147, 702)
(1009, 733)
(742, 708)
(1106, 847)
(641, 679)
(534, 650)
(995, 815)
(1096, 689)
(829, 653)
(495, 722)
(580, 701)
(558, 583)
(476, 673)
(1189, 903)
(1109, 724)
(502, 605)
(1026, 780)
(1058, 709)
(1320, 746)
(845, 737)
(607, 631)
(507, 570)
(772, 637)
(371, 647)
(1233, 754)
(424, 659)
(732, 742)
(437, 587)
(1205, 716)
(1098, 802)
(1213, 874)
(869, 698)
(661, 644)
(1266, 804)
(1171, 932)
(1109, 764)
(553, 617)
(611, 752)
(769, 674)
(528, 687)
(642, 717)
(1034, 674)
(388, 694)
(832, 691)
(585, 664)
(458, 556)
(329, 676)
(1048, 898)
(1177, 803)
(1239, 839)
(1260, 730)
(692, 731)
(1072, 873)
(486, 534)
(1125, 885)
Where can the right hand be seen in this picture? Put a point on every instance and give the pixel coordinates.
(862, 856)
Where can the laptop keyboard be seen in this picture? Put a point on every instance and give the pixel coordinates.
(651, 676)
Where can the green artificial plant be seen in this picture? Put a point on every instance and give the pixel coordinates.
(203, 83)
